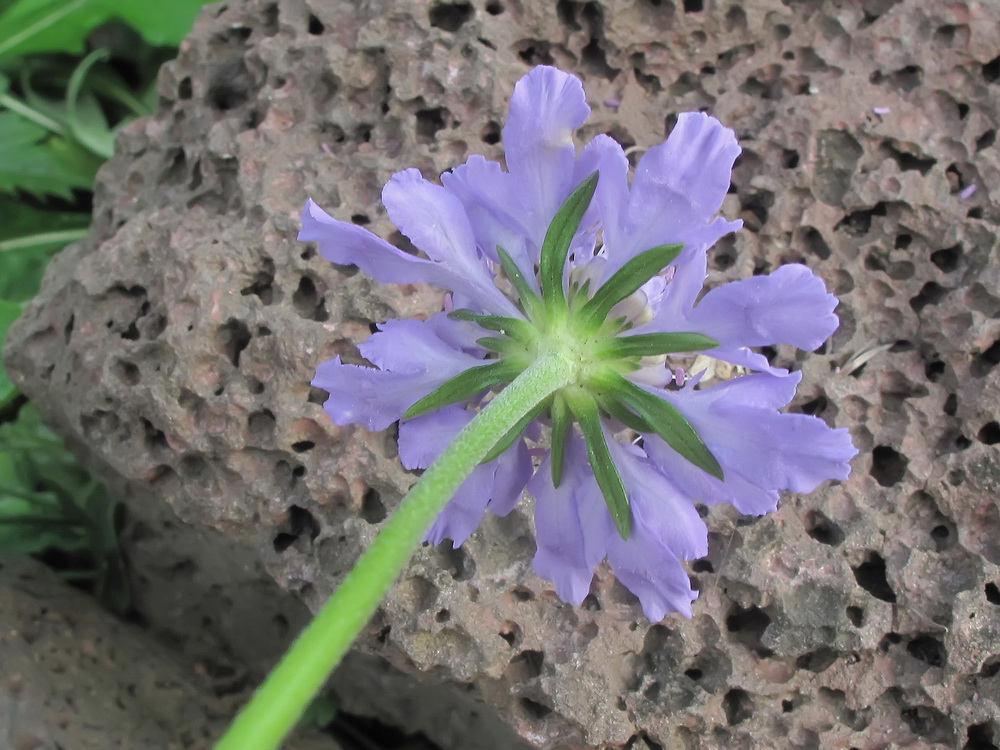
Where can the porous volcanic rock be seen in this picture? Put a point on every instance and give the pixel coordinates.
(177, 344)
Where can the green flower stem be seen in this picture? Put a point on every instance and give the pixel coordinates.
(280, 701)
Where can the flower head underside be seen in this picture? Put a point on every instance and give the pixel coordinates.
(562, 254)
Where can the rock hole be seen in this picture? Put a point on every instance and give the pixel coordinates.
(888, 466)
(989, 433)
(950, 404)
(456, 561)
(126, 372)
(230, 88)
(859, 223)
(986, 140)
(981, 737)
(992, 593)
(822, 529)
(947, 259)
(511, 632)
(231, 339)
(817, 661)
(262, 283)
(991, 70)
(737, 706)
(591, 603)
(928, 649)
(748, 626)
(533, 710)
(298, 522)
(871, 576)
(362, 220)
(383, 634)
(814, 243)
(429, 122)
(930, 294)
(451, 16)
(986, 361)
(934, 369)
(991, 667)
(315, 25)
(490, 134)
(194, 468)
(856, 615)
(942, 538)
(260, 426)
(494, 8)
(789, 158)
(704, 565)
(927, 721)
(372, 508)
(184, 89)
(907, 161)
(521, 594)
(526, 665)
(694, 6)
(442, 615)
(303, 445)
(534, 52)
(308, 302)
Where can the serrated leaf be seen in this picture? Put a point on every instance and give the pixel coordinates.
(585, 411)
(34, 161)
(561, 422)
(465, 385)
(652, 345)
(515, 328)
(29, 26)
(84, 116)
(559, 237)
(628, 279)
(665, 419)
(529, 300)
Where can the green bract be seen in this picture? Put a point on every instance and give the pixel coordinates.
(577, 326)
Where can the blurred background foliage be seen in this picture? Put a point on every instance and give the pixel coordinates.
(72, 73)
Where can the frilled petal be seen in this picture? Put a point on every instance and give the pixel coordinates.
(347, 244)
(436, 222)
(364, 395)
(657, 505)
(789, 306)
(650, 570)
(545, 109)
(771, 450)
(413, 361)
(511, 475)
(491, 204)
(464, 511)
(422, 439)
(572, 523)
(413, 346)
(678, 188)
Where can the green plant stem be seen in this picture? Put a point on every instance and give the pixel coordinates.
(45, 238)
(281, 699)
(19, 107)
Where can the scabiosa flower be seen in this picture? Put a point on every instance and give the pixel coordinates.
(562, 252)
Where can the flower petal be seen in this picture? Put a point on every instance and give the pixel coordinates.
(657, 505)
(513, 469)
(572, 523)
(464, 511)
(789, 306)
(435, 221)
(648, 568)
(545, 109)
(422, 439)
(678, 188)
(348, 244)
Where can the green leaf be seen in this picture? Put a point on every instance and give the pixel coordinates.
(653, 344)
(9, 311)
(664, 417)
(561, 422)
(34, 161)
(513, 433)
(584, 408)
(559, 237)
(28, 26)
(619, 411)
(515, 328)
(501, 345)
(83, 113)
(529, 300)
(467, 384)
(628, 279)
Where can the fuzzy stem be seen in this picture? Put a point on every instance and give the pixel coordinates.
(280, 701)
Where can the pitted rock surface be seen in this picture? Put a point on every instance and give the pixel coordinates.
(178, 342)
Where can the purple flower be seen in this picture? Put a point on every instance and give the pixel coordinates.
(563, 251)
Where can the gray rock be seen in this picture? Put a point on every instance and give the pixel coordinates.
(175, 347)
